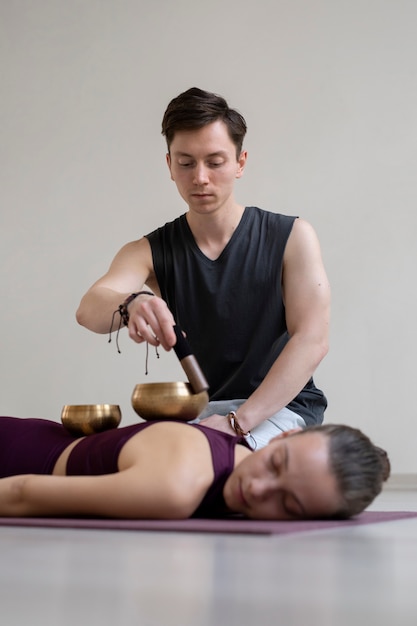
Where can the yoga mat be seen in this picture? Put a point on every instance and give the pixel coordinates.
(224, 525)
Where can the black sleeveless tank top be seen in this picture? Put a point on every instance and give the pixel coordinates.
(232, 308)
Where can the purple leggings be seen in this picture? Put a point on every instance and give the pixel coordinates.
(30, 445)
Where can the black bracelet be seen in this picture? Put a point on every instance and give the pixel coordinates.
(124, 313)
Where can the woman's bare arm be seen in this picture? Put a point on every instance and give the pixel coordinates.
(125, 495)
(165, 471)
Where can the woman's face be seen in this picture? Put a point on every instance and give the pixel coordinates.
(290, 478)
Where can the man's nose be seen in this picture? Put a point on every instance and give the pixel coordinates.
(200, 174)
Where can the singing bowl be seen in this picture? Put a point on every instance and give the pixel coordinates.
(163, 401)
(86, 419)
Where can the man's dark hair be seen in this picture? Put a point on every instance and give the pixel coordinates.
(196, 108)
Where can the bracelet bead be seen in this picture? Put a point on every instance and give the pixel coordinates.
(234, 423)
(124, 313)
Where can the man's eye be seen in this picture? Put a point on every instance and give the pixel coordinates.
(184, 164)
(215, 164)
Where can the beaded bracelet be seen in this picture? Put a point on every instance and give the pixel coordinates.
(234, 423)
(124, 313)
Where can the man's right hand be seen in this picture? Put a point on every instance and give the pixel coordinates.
(151, 320)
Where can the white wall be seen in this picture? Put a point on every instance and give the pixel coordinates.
(328, 88)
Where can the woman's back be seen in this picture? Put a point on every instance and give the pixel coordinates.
(193, 460)
(163, 470)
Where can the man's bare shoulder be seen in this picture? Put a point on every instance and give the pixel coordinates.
(137, 246)
(303, 237)
(303, 228)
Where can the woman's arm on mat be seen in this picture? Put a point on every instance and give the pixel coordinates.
(128, 494)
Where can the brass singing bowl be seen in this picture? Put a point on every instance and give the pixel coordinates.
(86, 419)
(163, 401)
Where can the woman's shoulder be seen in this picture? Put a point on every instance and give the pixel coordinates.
(165, 440)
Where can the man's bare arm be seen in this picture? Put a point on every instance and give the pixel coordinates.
(307, 302)
(130, 271)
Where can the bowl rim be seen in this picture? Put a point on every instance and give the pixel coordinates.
(84, 407)
(184, 383)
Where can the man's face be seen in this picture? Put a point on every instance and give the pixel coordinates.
(288, 479)
(204, 167)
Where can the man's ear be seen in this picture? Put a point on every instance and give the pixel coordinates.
(286, 433)
(168, 160)
(241, 163)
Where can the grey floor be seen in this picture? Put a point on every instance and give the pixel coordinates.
(348, 576)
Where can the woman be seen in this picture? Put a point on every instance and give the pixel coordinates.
(173, 470)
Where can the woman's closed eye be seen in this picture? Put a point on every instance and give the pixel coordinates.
(277, 463)
(292, 507)
(289, 502)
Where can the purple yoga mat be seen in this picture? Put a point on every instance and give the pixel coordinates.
(227, 525)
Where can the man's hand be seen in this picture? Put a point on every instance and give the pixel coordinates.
(218, 422)
(150, 320)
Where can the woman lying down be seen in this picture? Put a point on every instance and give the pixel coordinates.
(174, 470)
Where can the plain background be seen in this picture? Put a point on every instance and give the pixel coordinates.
(329, 92)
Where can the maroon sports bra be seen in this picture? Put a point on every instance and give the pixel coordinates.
(98, 454)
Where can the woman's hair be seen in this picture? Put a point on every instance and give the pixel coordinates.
(360, 467)
(196, 108)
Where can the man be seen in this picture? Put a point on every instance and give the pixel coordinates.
(247, 286)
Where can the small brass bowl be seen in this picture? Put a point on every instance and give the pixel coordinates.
(163, 401)
(86, 419)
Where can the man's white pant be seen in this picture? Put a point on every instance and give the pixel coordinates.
(278, 423)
